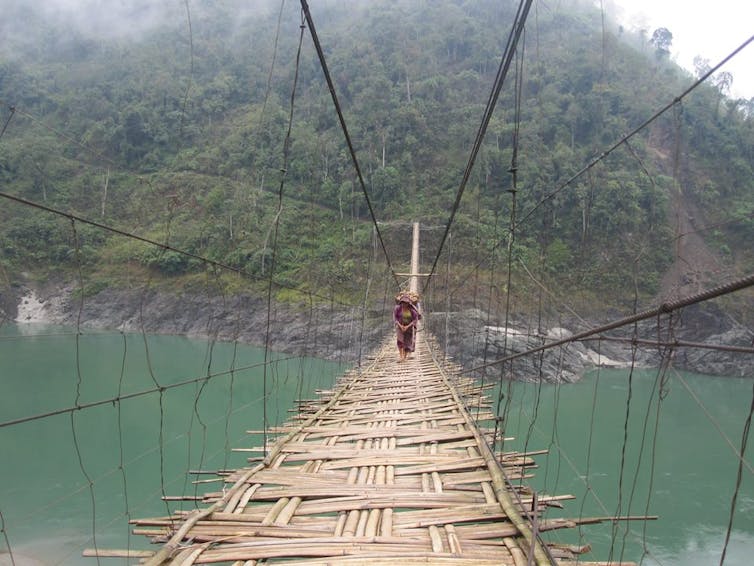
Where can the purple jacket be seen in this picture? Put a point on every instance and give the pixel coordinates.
(398, 314)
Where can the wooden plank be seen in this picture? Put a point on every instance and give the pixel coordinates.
(413, 464)
(326, 548)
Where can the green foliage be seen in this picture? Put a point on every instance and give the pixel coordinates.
(168, 262)
(90, 289)
(185, 147)
(559, 256)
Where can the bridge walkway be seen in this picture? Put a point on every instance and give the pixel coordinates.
(388, 467)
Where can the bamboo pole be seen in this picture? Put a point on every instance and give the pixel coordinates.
(193, 518)
(499, 481)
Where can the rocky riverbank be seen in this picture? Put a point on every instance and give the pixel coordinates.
(348, 334)
(700, 324)
(304, 329)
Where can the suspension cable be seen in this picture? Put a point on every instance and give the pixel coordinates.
(351, 151)
(739, 476)
(505, 63)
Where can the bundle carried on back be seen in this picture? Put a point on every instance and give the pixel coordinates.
(407, 297)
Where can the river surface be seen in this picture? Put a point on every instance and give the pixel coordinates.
(673, 456)
(73, 480)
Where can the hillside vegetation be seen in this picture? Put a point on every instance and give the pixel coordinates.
(175, 132)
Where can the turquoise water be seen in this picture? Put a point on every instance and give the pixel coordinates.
(678, 464)
(133, 451)
(136, 450)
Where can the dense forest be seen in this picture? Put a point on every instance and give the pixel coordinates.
(171, 124)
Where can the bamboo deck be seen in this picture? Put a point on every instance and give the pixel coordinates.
(387, 468)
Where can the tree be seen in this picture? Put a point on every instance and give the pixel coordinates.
(386, 185)
(662, 39)
(723, 82)
(701, 66)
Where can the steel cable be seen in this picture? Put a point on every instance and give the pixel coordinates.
(341, 119)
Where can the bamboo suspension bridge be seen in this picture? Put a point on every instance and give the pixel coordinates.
(388, 467)
(399, 461)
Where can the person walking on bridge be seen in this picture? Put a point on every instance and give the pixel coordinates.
(406, 317)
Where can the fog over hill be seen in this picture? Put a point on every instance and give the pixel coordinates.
(170, 120)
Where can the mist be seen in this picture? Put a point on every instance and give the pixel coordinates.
(25, 23)
(92, 19)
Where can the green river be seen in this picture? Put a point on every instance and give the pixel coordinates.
(73, 480)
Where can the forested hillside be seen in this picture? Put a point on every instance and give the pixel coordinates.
(171, 126)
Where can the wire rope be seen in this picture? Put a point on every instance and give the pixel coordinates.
(276, 226)
(11, 113)
(629, 399)
(344, 128)
(364, 307)
(200, 388)
(121, 455)
(739, 474)
(624, 447)
(508, 54)
(191, 67)
(148, 358)
(513, 170)
(662, 392)
(590, 443)
(554, 437)
(79, 380)
(4, 532)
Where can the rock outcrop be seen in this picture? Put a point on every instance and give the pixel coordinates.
(341, 333)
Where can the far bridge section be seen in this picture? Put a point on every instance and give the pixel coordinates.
(388, 468)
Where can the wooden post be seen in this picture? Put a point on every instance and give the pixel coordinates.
(413, 282)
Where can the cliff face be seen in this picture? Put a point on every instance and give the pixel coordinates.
(473, 344)
(328, 332)
(300, 329)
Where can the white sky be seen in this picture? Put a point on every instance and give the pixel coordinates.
(709, 28)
